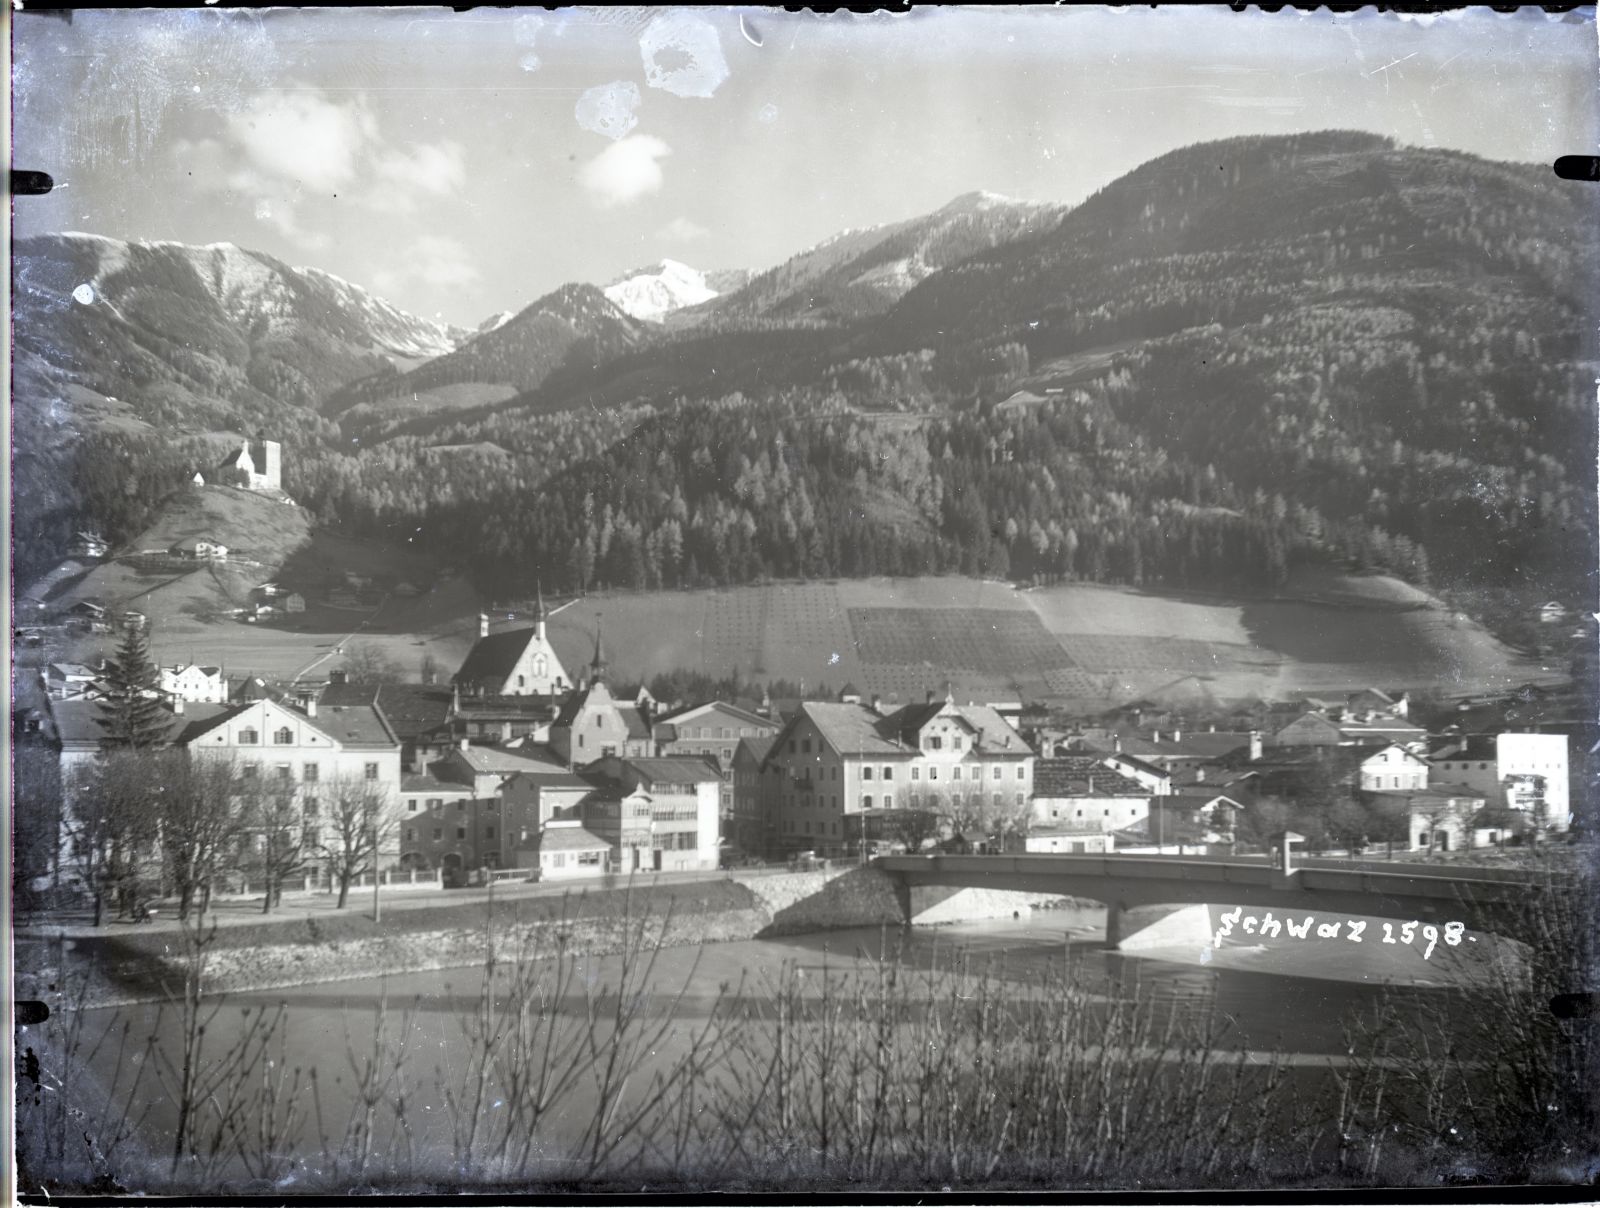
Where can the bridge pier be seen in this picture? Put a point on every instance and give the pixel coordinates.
(1116, 922)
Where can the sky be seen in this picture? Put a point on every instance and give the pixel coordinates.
(464, 164)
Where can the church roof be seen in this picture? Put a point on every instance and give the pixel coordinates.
(495, 656)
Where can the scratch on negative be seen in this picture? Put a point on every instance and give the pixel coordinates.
(1396, 63)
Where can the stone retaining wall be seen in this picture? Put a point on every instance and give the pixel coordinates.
(786, 904)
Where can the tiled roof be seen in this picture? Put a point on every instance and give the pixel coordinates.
(498, 759)
(1466, 747)
(555, 778)
(1194, 801)
(77, 722)
(994, 731)
(1082, 776)
(756, 748)
(495, 656)
(634, 720)
(429, 782)
(667, 770)
(741, 715)
(359, 725)
(571, 838)
(850, 729)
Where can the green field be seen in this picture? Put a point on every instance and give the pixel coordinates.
(896, 638)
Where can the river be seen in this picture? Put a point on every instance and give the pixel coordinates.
(1292, 998)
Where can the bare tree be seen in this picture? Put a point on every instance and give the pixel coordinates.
(36, 815)
(109, 825)
(354, 829)
(200, 818)
(366, 663)
(273, 822)
(913, 826)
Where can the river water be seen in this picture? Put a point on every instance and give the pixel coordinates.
(1295, 998)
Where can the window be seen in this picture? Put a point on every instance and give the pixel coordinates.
(999, 797)
(935, 743)
(522, 681)
(461, 832)
(916, 773)
(310, 773)
(955, 743)
(997, 771)
(791, 746)
(589, 857)
(461, 806)
(599, 721)
(411, 834)
(438, 833)
(888, 773)
(916, 800)
(488, 832)
(955, 773)
(866, 802)
(285, 772)
(372, 771)
(1105, 813)
(724, 733)
(805, 746)
(249, 770)
(249, 738)
(866, 773)
(1080, 812)
(283, 737)
(1021, 798)
(435, 802)
(1422, 839)
(311, 806)
(933, 773)
(411, 806)
(888, 802)
(1022, 772)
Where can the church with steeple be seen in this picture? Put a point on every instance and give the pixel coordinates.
(514, 662)
(593, 724)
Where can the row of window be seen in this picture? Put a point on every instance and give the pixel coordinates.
(438, 833)
(310, 773)
(914, 800)
(437, 803)
(717, 732)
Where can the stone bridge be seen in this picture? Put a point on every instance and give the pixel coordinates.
(1485, 899)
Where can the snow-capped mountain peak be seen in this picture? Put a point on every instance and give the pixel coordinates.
(655, 292)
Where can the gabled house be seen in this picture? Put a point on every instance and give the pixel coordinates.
(1080, 791)
(194, 683)
(843, 769)
(1527, 772)
(515, 662)
(712, 731)
(1311, 729)
(593, 724)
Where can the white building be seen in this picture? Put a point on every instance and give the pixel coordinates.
(1526, 772)
(195, 684)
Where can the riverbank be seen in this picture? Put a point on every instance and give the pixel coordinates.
(131, 966)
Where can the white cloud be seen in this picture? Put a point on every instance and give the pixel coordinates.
(432, 260)
(682, 230)
(302, 136)
(403, 174)
(287, 151)
(625, 171)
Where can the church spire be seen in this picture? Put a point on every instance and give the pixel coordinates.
(538, 609)
(597, 669)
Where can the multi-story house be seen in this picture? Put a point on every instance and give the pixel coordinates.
(593, 724)
(195, 684)
(1525, 772)
(844, 768)
(1078, 791)
(311, 756)
(748, 832)
(713, 731)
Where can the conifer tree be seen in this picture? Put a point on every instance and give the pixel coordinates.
(132, 715)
